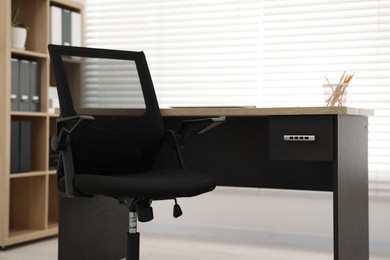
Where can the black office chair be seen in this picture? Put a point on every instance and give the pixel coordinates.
(110, 133)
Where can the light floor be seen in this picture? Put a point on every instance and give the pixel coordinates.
(158, 247)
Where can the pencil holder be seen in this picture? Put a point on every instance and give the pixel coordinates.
(335, 94)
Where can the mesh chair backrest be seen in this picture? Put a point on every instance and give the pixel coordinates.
(116, 88)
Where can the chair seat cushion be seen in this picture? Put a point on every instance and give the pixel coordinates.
(159, 184)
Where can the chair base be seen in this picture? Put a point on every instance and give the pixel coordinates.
(132, 246)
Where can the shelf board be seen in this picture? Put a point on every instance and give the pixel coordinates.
(27, 174)
(27, 113)
(53, 225)
(52, 172)
(29, 54)
(67, 4)
(23, 235)
(55, 115)
(14, 232)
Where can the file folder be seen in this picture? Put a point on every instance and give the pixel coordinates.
(53, 159)
(54, 102)
(55, 25)
(15, 146)
(66, 27)
(34, 86)
(25, 146)
(76, 29)
(24, 86)
(14, 84)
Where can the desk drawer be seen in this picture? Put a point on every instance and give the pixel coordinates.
(303, 138)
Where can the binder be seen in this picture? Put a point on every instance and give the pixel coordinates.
(66, 27)
(24, 86)
(25, 146)
(76, 29)
(53, 159)
(55, 25)
(15, 146)
(14, 84)
(34, 86)
(54, 102)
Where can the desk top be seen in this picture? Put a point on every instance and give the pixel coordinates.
(272, 111)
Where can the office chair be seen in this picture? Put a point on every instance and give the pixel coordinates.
(110, 133)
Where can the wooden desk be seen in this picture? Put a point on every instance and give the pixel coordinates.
(249, 150)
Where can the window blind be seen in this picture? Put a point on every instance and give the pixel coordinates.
(259, 52)
(100, 76)
(200, 52)
(306, 41)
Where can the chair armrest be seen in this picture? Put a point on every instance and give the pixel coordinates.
(198, 126)
(173, 141)
(66, 126)
(62, 142)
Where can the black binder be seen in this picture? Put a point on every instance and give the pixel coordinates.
(53, 160)
(15, 146)
(14, 84)
(25, 146)
(34, 86)
(24, 86)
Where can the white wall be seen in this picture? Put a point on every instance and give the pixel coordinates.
(265, 215)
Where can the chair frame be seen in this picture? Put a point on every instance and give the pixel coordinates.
(70, 123)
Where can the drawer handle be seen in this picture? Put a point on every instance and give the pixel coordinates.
(299, 138)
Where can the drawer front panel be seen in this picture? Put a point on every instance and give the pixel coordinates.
(301, 138)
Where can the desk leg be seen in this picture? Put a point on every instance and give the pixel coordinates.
(350, 198)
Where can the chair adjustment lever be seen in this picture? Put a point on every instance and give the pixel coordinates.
(177, 212)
